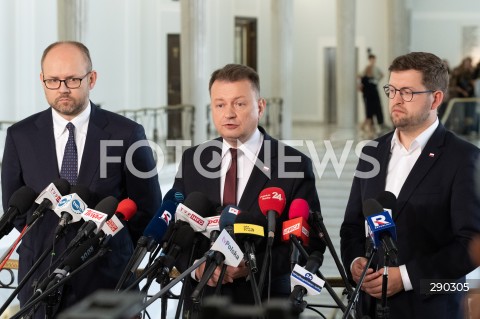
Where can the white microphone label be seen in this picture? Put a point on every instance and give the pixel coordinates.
(229, 248)
(97, 217)
(51, 193)
(197, 222)
(112, 226)
(212, 224)
(300, 276)
(71, 204)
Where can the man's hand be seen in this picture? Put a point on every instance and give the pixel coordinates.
(357, 268)
(373, 282)
(230, 274)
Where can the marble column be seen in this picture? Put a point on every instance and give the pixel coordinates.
(345, 64)
(193, 63)
(282, 59)
(399, 28)
(71, 17)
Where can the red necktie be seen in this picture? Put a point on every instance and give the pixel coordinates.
(230, 187)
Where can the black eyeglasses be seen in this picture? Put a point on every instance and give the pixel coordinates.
(405, 93)
(71, 83)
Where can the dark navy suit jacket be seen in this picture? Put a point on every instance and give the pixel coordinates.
(438, 212)
(266, 174)
(30, 159)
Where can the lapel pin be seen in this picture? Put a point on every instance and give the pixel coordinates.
(266, 168)
(431, 155)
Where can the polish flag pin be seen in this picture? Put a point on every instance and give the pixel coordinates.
(431, 155)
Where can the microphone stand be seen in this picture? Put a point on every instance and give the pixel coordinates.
(356, 292)
(327, 285)
(53, 287)
(252, 269)
(216, 260)
(29, 274)
(208, 255)
(127, 273)
(182, 292)
(383, 311)
(323, 233)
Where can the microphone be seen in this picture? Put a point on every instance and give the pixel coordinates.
(49, 197)
(71, 206)
(388, 201)
(272, 203)
(95, 219)
(182, 241)
(19, 203)
(305, 281)
(297, 226)
(153, 234)
(126, 209)
(227, 218)
(249, 230)
(381, 226)
(194, 211)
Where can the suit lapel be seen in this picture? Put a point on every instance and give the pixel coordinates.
(207, 158)
(430, 154)
(45, 148)
(261, 173)
(95, 134)
(378, 182)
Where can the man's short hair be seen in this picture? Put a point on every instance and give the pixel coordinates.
(234, 73)
(78, 45)
(433, 69)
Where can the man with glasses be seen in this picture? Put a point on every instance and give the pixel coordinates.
(66, 141)
(432, 173)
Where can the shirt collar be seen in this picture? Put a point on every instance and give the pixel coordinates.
(80, 121)
(420, 141)
(250, 148)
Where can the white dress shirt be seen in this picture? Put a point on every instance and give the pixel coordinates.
(61, 133)
(399, 167)
(247, 154)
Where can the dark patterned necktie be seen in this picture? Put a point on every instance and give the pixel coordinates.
(69, 169)
(230, 187)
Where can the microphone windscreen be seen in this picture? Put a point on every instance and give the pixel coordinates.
(22, 199)
(108, 206)
(314, 261)
(174, 196)
(126, 209)
(299, 208)
(184, 237)
(62, 185)
(84, 193)
(371, 207)
(387, 200)
(200, 204)
(157, 227)
(271, 198)
(228, 216)
(83, 252)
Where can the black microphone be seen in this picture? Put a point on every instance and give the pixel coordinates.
(249, 230)
(94, 219)
(49, 197)
(19, 203)
(182, 241)
(314, 262)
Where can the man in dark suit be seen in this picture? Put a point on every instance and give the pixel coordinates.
(263, 162)
(34, 154)
(432, 173)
